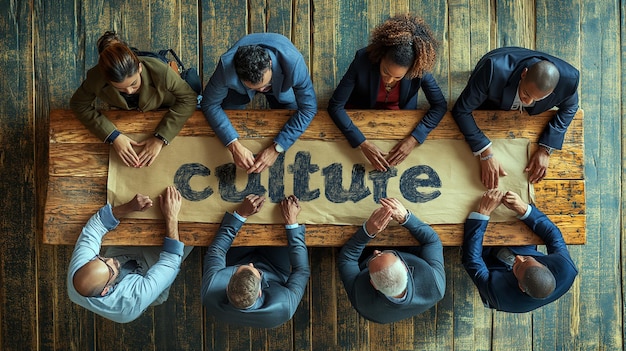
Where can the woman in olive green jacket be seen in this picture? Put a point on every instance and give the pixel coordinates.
(123, 80)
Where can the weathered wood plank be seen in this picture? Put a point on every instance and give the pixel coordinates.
(323, 300)
(515, 23)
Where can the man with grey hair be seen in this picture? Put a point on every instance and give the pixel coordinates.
(390, 285)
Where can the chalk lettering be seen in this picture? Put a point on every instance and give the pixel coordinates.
(226, 175)
(333, 184)
(380, 182)
(183, 177)
(301, 169)
(410, 181)
(276, 181)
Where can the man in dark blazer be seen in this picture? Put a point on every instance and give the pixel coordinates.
(516, 279)
(513, 78)
(255, 286)
(392, 285)
(266, 63)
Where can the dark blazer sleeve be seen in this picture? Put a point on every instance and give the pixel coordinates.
(348, 260)
(472, 258)
(215, 258)
(541, 225)
(430, 249)
(300, 270)
(475, 93)
(438, 108)
(341, 95)
(554, 133)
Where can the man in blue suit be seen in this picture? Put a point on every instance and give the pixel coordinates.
(516, 279)
(390, 285)
(255, 286)
(513, 78)
(269, 64)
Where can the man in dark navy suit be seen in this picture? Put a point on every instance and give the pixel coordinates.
(513, 78)
(516, 279)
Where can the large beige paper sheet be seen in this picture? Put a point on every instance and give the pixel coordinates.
(451, 160)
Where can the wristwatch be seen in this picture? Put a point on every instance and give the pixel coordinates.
(278, 148)
(548, 149)
(160, 137)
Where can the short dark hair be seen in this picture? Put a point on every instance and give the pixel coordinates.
(117, 62)
(544, 75)
(251, 63)
(538, 282)
(243, 289)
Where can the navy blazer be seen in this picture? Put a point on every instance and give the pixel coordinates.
(493, 85)
(281, 293)
(498, 287)
(359, 88)
(291, 85)
(426, 284)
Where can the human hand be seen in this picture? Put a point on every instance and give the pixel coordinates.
(490, 201)
(290, 208)
(491, 171)
(123, 146)
(264, 159)
(242, 157)
(170, 202)
(375, 155)
(538, 165)
(514, 202)
(378, 221)
(138, 203)
(251, 205)
(402, 150)
(150, 151)
(398, 211)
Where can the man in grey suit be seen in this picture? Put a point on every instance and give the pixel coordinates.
(392, 285)
(255, 286)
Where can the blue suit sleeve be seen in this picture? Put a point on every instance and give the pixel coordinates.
(554, 133)
(541, 225)
(215, 258)
(438, 108)
(348, 260)
(307, 106)
(300, 270)
(430, 249)
(472, 258)
(214, 94)
(475, 93)
(337, 104)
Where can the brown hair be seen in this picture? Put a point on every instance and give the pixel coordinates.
(117, 62)
(407, 41)
(243, 289)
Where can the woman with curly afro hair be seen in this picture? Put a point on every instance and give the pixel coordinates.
(387, 74)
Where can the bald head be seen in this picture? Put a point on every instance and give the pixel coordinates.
(90, 279)
(544, 75)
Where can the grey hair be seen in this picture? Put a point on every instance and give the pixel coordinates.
(391, 280)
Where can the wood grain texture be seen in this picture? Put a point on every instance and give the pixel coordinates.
(77, 163)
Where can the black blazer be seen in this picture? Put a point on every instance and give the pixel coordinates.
(359, 88)
(493, 85)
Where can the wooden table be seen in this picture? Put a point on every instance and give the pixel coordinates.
(79, 165)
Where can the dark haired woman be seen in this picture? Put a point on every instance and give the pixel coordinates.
(123, 80)
(387, 74)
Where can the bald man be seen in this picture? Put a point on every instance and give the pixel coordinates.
(122, 283)
(391, 285)
(513, 78)
(518, 278)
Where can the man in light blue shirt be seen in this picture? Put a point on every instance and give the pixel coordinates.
(121, 284)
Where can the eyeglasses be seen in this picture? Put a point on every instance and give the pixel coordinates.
(393, 252)
(111, 272)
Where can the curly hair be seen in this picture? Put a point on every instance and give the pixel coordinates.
(407, 41)
(251, 62)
